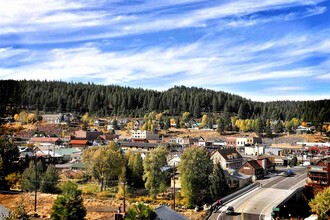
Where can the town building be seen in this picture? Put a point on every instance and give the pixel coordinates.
(139, 134)
(252, 168)
(89, 135)
(229, 158)
(319, 173)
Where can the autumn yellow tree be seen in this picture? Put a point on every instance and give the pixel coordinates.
(320, 204)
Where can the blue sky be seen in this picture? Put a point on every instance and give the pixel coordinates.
(263, 50)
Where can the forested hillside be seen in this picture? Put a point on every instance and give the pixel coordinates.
(100, 100)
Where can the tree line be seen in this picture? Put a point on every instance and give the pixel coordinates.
(112, 100)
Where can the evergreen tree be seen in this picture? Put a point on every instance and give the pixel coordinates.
(219, 186)
(28, 181)
(49, 180)
(8, 154)
(70, 205)
(167, 124)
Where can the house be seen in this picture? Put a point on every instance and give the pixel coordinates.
(301, 130)
(89, 135)
(252, 168)
(58, 118)
(319, 173)
(203, 143)
(48, 156)
(241, 142)
(80, 144)
(177, 181)
(25, 153)
(231, 142)
(45, 140)
(267, 163)
(100, 122)
(52, 118)
(136, 146)
(229, 158)
(137, 124)
(183, 142)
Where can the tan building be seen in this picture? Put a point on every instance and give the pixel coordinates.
(229, 158)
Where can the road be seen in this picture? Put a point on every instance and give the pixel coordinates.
(258, 204)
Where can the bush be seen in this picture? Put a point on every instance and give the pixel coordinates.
(13, 180)
(89, 189)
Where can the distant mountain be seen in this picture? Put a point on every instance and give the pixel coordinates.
(100, 100)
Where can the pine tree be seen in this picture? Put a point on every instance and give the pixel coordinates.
(70, 205)
(28, 181)
(219, 186)
(49, 180)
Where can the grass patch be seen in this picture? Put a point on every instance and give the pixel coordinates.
(105, 194)
(89, 189)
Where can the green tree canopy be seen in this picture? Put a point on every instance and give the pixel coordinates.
(8, 154)
(28, 181)
(69, 206)
(141, 211)
(153, 174)
(103, 163)
(49, 180)
(195, 168)
(219, 186)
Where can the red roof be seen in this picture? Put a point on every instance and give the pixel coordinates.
(44, 139)
(78, 142)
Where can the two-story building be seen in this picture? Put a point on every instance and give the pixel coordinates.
(319, 173)
(252, 168)
(140, 134)
(229, 158)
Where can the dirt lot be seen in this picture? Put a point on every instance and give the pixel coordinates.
(97, 209)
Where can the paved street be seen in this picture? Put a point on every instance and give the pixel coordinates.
(258, 204)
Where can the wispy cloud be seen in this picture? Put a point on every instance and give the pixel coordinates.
(158, 44)
(104, 19)
(202, 64)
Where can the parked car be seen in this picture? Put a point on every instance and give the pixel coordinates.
(230, 210)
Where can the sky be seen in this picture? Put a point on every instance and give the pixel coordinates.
(263, 50)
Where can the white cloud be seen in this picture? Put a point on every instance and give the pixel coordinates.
(323, 76)
(202, 63)
(106, 19)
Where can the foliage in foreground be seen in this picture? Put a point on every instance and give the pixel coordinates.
(320, 204)
(153, 176)
(141, 211)
(195, 168)
(69, 206)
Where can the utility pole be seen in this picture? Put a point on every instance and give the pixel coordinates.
(35, 185)
(174, 187)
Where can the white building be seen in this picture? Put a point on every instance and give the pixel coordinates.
(255, 150)
(144, 135)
